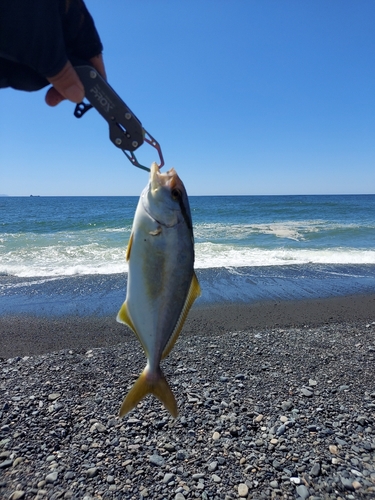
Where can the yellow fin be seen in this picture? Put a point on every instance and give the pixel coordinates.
(158, 386)
(129, 247)
(123, 317)
(194, 292)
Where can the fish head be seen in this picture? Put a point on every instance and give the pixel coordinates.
(167, 199)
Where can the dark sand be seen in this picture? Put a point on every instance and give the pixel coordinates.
(28, 335)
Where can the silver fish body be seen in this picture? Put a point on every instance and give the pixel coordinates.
(162, 285)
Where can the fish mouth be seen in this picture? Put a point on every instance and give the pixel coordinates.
(168, 179)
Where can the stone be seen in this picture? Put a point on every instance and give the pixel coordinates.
(302, 491)
(305, 392)
(52, 477)
(216, 435)
(157, 460)
(212, 466)
(54, 396)
(315, 470)
(347, 483)
(92, 472)
(198, 476)
(179, 496)
(343, 388)
(168, 477)
(341, 441)
(17, 495)
(258, 418)
(6, 464)
(169, 447)
(98, 427)
(243, 490)
(295, 480)
(286, 405)
(281, 430)
(181, 455)
(361, 420)
(333, 449)
(216, 478)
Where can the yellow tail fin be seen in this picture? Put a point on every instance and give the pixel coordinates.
(146, 384)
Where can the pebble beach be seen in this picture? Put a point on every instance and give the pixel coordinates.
(276, 400)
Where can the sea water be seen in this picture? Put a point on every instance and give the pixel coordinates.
(60, 253)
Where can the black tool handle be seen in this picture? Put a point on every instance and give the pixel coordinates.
(125, 130)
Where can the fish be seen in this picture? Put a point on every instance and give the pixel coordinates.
(162, 284)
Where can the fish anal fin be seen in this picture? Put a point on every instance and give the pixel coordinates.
(193, 294)
(146, 384)
(123, 317)
(129, 247)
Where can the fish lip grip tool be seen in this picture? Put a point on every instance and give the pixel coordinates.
(125, 130)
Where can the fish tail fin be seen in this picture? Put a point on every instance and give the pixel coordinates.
(146, 384)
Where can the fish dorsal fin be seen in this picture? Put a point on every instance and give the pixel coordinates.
(124, 317)
(129, 247)
(194, 292)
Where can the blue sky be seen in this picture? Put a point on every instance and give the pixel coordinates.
(244, 96)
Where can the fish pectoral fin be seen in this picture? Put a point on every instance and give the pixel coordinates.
(156, 385)
(193, 294)
(156, 231)
(129, 247)
(123, 317)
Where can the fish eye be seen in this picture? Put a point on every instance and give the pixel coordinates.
(176, 194)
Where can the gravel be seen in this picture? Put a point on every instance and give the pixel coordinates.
(264, 413)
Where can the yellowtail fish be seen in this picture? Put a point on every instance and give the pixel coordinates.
(162, 285)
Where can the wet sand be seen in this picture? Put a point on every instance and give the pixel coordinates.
(26, 335)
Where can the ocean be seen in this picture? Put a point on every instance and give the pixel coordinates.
(66, 255)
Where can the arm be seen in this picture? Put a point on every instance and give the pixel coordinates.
(37, 41)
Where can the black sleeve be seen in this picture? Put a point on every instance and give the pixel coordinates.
(38, 37)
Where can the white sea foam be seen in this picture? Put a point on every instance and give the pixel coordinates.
(94, 259)
(292, 230)
(64, 261)
(216, 255)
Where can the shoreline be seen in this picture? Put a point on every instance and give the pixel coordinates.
(28, 335)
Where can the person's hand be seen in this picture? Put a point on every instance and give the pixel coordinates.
(38, 42)
(67, 85)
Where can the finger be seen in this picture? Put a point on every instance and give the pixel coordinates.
(53, 97)
(67, 84)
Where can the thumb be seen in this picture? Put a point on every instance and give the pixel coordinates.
(66, 85)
